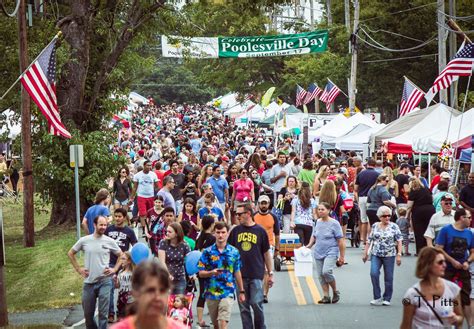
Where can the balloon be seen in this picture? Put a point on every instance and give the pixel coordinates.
(191, 262)
(139, 253)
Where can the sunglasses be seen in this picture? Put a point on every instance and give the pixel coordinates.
(244, 173)
(385, 216)
(441, 262)
(238, 214)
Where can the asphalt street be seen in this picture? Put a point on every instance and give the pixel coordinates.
(293, 300)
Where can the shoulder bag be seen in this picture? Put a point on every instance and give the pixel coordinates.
(429, 305)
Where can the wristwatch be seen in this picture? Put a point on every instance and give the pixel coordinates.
(399, 254)
(241, 292)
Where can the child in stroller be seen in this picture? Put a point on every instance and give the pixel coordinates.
(180, 308)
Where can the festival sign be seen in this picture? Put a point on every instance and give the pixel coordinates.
(274, 45)
(246, 47)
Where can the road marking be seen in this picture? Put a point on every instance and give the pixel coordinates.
(295, 284)
(313, 289)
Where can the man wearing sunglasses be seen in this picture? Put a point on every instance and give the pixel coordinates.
(458, 243)
(440, 219)
(252, 242)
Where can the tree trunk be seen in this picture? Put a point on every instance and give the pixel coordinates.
(64, 211)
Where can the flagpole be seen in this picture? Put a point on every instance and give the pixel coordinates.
(18, 79)
(338, 88)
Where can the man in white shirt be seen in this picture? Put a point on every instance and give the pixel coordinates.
(145, 183)
(278, 174)
(440, 219)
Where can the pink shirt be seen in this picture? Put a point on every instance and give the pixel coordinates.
(129, 323)
(242, 189)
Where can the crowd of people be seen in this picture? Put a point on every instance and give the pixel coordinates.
(194, 181)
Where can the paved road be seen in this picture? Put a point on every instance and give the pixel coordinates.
(293, 301)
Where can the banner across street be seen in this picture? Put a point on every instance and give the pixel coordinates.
(245, 47)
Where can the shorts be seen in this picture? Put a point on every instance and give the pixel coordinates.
(464, 278)
(363, 209)
(144, 204)
(122, 203)
(220, 309)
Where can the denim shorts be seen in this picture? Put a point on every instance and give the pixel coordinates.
(122, 203)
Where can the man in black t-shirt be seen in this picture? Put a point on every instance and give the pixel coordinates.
(125, 237)
(403, 179)
(252, 242)
(179, 179)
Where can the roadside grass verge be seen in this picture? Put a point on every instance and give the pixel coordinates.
(40, 277)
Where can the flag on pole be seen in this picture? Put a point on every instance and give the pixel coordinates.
(460, 66)
(313, 92)
(331, 91)
(411, 97)
(300, 95)
(39, 82)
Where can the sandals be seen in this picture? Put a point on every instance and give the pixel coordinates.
(325, 300)
(336, 296)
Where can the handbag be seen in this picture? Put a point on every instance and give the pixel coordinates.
(348, 204)
(429, 305)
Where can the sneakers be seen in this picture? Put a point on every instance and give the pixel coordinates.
(336, 297)
(325, 300)
(377, 302)
(386, 303)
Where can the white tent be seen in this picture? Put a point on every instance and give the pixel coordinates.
(294, 120)
(458, 128)
(329, 128)
(137, 98)
(408, 121)
(347, 126)
(358, 139)
(437, 119)
(258, 113)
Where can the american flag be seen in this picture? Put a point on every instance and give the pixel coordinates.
(313, 92)
(460, 66)
(300, 95)
(411, 97)
(331, 91)
(39, 81)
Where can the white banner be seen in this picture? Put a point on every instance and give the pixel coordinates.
(192, 47)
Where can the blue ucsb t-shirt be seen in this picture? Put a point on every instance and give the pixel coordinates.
(456, 243)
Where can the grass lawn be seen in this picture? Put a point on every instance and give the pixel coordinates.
(40, 277)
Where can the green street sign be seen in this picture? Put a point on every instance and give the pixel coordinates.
(275, 45)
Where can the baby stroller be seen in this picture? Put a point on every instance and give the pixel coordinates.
(187, 316)
(352, 232)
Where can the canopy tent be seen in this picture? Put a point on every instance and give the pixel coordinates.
(354, 139)
(465, 156)
(410, 125)
(464, 143)
(333, 125)
(289, 122)
(347, 126)
(290, 109)
(237, 110)
(137, 98)
(458, 128)
(225, 102)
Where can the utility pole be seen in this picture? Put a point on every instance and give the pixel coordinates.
(453, 90)
(28, 209)
(443, 93)
(353, 88)
(311, 13)
(328, 9)
(347, 18)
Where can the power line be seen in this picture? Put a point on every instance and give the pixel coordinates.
(454, 31)
(398, 12)
(460, 18)
(379, 46)
(390, 32)
(398, 58)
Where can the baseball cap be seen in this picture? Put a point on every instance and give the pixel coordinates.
(141, 153)
(446, 197)
(404, 165)
(343, 170)
(263, 198)
(444, 174)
